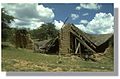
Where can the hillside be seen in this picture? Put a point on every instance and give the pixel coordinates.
(26, 60)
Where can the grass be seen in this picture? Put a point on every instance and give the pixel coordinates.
(26, 60)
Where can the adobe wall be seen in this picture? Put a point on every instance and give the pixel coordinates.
(64, 47)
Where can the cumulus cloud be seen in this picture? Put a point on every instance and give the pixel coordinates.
(81, 27)
(78, 8)
(36, 25)
(26, 24)
(21, 23)
(58, 24)
(45, 13)
(83, 21)
(29, 14)
(93, 6)
(102, 23)
(74, 16)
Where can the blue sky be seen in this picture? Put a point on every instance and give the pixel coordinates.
(64, 10)
(94, 18)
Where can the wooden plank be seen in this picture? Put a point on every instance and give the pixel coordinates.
(77, 34)
(91, 43)
(77, 48)
(80, 50)
(75, 43)
(83, 43)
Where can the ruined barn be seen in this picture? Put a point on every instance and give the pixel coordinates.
(50, 46)
(73, 41)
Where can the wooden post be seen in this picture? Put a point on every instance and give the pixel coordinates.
(77, 48)
(75, 43)
(80, 50)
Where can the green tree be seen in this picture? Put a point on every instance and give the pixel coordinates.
(45, 31)
(6, 20)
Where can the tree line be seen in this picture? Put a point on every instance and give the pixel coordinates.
(21, 37)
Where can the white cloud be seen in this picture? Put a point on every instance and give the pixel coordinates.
(36, 25)
(74, 16)
(81, 27)
(90, 6)
(78, 8)
(29, 14)
(85, 14)
(83, 21)
(58, 24)
(93, 6)
(102, 23)
(26, 24)
(45, 12)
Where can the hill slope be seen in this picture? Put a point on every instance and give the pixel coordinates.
(26, 60)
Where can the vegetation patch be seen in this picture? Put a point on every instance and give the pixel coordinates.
(26, 60)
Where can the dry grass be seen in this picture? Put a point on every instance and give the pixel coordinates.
(25, 60)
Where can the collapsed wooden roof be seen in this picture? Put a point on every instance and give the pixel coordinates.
(46, 44)
(95, 39)
(99, 39)
(43, 44)
(78, 33)
(91, 42)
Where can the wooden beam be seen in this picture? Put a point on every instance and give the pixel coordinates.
(80, 50)
(77, 48)
(77, 34)
(91, 43)
(84, 44)
(75, 43)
